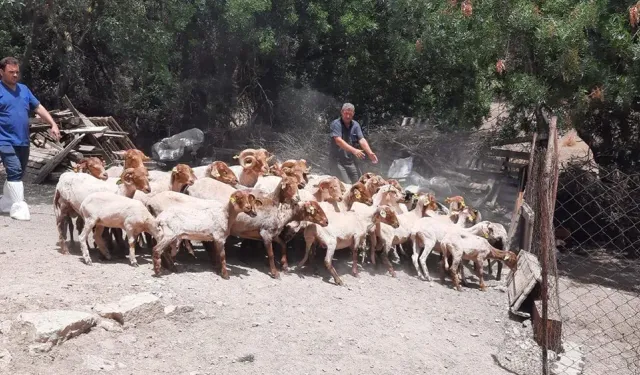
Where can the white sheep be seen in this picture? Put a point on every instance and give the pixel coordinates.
(463, 245)
(111, 210)
(72, 188)
(345, 229)
(204, 220)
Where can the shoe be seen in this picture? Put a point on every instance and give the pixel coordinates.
(5, 200)
(19, 209)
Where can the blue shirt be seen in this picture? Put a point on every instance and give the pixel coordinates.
(352, 135)
(14, 114)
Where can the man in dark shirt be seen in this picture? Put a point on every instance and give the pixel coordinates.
(16, 100)
(346, 135)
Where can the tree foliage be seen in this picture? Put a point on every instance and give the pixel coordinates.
(163, 66)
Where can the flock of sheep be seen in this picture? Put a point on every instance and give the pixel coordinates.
(270, 202)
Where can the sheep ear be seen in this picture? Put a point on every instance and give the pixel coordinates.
(232, 199)
(174, 170)
(258, 203)
(215, 173)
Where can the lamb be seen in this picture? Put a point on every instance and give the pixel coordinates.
(426, 234)
(205, 220)
(108, 209)
(73, 188)
(346, 229)
(271, 220)
(461, 245)
(217, 170)
(390, 237)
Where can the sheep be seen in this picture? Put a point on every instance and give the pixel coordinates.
(270, 221)
(314, 178)
(496, 234)
(292, 168)
(253, 164)
(73, 188)
(133, 158)
(217, 170)
(461, 245)
(386, 194)
(455, 203)
(346, 229)
(108, 209)
(92, 165)
(204, 220)
(426, 234)
(390, 237)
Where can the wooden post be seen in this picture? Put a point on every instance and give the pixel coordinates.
(44, 172)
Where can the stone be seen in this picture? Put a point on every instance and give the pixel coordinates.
(180, 309)
(36, 349)
(56, 326)
(5, 358)
(96, 363)
(136, 308)
(109, 325)
(5, 327)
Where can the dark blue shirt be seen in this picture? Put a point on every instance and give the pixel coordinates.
(14, 114)
(352, 135)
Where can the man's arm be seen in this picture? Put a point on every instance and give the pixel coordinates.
(344, 145)
(43, 113)
(365, 146)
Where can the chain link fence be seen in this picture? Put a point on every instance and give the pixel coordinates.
(597, 233)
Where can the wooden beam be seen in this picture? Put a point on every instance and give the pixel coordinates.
(53, 163)
(92, 130)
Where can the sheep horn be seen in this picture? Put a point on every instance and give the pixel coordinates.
(248, 162)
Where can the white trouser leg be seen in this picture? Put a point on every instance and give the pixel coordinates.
(19, 209)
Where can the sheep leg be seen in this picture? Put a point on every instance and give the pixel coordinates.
(489, 268)
(61, 222)
(429, 243)
(479, 272)
(220, 254)
(385, 260)
(159, 251)
(84, 246)
(307, 252)
(209, 247)
(499, 274)
(354, 264)
(453, 270)
(463, 278)
(102, 246)
(268, 243)
(416, 252)
(283, 259)
(189, 247)
(132, 239)
(374, 243)
(331, 249)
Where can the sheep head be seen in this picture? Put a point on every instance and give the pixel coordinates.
(375, 183)
(242, 201)
(297, 174)
(329, 189)
(288, 189)
(219, 170)
(360, 194)
(260, 158)
(432, 204)
(312, 212)
(134, 158)
(455, 203)
(136, 177)
(92, 165)
(182, 176)
(393, 182)
(511, 260)
(389, 194)
(386, 214)
(365, 177)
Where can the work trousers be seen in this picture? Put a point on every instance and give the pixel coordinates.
(346, 170)
(14, 159)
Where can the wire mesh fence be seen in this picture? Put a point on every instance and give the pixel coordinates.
(597, 234)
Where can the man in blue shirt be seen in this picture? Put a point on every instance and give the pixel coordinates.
(346, 135)
(16, 100)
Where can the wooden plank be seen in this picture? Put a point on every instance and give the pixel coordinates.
(86, 148)
(522, 282)
(510, 154)
(92, 130)
(511, 141)
(50, 166)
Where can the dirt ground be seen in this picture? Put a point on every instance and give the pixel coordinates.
(250, 324)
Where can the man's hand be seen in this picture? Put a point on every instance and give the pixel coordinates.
(55, 132)
(358, 153)
(373, 158)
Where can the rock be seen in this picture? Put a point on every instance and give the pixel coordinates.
(526, 323)
(136, 308)
(108, 325)
(5, 358)
(96, 363)
(36, 349)
(181, 309)
(5, 327)
(474, 335)
(56, 326)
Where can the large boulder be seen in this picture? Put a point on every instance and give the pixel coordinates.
(56, 326)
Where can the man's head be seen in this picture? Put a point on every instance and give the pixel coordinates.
(347, 112)
(10, 70)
